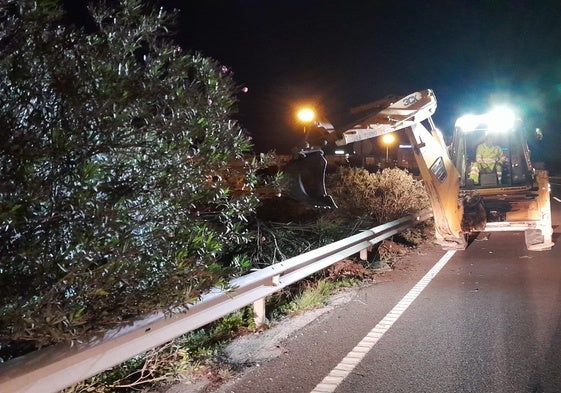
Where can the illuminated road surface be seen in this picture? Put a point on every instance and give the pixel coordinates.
(488, 321)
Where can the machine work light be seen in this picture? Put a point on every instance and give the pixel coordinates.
(500, 119)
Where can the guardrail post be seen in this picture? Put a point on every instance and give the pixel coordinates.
(364, 253)
(259, 312)
(259, 305)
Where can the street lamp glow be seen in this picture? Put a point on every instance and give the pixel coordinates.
(388, 139)
(306, 115)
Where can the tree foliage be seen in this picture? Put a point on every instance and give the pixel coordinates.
(117, 196)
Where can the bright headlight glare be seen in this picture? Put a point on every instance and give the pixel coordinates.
(501, 119)
(468, 122)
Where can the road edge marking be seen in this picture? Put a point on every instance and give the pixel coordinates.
(353, 358)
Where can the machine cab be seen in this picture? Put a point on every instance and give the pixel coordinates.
(491, 153)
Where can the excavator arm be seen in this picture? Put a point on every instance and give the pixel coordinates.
(412, 114)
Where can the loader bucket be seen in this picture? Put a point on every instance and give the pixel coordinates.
(304, 179)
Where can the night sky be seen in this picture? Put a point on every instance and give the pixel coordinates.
(339, 54)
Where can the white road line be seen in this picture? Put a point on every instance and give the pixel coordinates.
(353, 358)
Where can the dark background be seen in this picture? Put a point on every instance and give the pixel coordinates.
(340, 54)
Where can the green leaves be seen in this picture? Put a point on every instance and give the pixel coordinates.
(116, 175)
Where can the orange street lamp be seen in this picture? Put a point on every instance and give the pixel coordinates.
(388, 139)
(306, 116)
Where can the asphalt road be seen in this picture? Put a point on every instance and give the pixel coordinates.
(488, 321)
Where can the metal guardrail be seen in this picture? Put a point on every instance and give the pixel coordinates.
(54, 368)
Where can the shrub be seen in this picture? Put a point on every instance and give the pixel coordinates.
(384, 196)
(117, 193)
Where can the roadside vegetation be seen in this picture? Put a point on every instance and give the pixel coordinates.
(199, 354)
(117, 175)
(127, 187)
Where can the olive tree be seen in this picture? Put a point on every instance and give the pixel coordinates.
(117, 191)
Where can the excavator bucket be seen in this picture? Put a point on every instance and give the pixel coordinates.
(304, 179)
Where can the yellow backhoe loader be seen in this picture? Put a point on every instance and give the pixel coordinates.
(471, 187)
